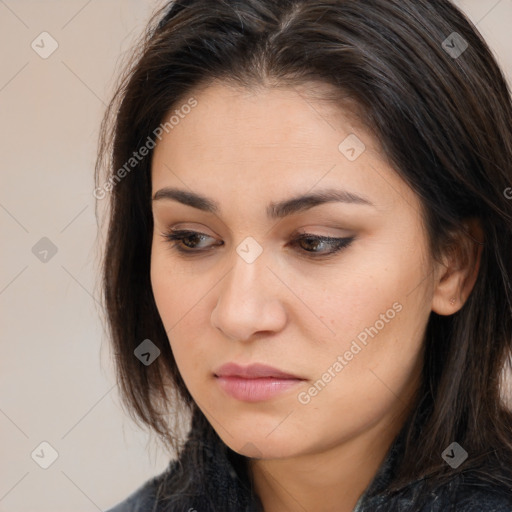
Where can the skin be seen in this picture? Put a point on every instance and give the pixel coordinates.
(244, 149)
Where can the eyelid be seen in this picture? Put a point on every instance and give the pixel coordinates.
(298, 232)
(314, 231)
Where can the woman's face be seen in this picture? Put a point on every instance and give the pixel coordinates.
(251, 288)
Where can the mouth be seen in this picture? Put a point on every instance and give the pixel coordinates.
(254, 383)
(253, 371)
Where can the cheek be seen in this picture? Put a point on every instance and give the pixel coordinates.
(182, 302)
(354, 295)
(176, 291)
(376, 310)
(366, 372)
(163, 285)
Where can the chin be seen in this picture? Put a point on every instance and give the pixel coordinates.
(263, 449)
(260, 442)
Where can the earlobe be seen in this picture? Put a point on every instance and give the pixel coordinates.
(447, 293)
(457, 274)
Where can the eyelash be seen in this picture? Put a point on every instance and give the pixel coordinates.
(177, 236)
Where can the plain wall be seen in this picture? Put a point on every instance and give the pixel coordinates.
(56, 380)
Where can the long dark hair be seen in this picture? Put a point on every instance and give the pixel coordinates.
(429, 88)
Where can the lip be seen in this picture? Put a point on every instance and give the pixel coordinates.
(254, 383)
(253, 371)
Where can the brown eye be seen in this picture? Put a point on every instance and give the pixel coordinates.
(188, 239)
(311, 243)
(188, 242)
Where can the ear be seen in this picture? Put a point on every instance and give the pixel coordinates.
(456, 275)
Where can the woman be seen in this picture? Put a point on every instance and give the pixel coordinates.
(309, 251)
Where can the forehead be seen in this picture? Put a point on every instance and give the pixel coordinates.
(240, 141)
(266, 117)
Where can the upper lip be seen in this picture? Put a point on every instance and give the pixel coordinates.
(253, 371)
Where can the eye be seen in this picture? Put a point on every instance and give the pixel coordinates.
(311, 243)
(189, 242)
(184, 238)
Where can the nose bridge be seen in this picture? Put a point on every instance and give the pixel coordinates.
(247, 300)
(246, 282)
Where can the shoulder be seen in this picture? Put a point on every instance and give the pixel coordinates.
(469, 496)
(143, 499)
(456, 495)
(479, 497)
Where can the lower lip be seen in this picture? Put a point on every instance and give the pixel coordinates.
(255, 390)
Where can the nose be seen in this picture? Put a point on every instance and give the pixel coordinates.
(249, 301)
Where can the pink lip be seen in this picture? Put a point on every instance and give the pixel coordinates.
(253, 371)
(255, 382)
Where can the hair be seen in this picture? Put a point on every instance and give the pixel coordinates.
(443, 121)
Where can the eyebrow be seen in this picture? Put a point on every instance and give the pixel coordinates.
(275, 210)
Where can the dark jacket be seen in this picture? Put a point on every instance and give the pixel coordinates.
(215, 480)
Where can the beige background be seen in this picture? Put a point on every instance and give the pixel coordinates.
(56, 382)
